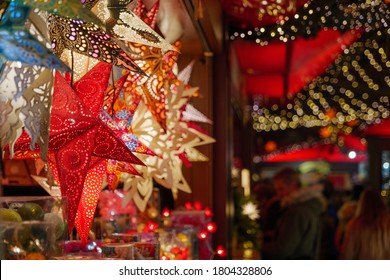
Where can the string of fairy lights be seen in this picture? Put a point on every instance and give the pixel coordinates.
(353, 93)
(320, 14)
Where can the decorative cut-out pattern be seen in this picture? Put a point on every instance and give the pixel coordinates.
(17, 44)
(88, 39)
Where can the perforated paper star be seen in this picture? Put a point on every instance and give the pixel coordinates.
(67, 8)
(17, 44)
(77, 136)
(26, 92)
(125, 25)
(88, 39)
(180, 138)
(154, 87)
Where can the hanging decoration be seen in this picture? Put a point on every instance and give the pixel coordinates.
(153, 87)
(172, 146)
(88, 39)
(68, 8)
(95, 128)
(148, 16)
(17, 44)
(77, 135)
(123, 24)
(27, 90)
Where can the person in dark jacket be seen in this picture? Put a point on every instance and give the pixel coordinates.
(298, 230)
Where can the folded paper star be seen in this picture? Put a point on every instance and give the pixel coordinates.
(148, 16)
(68, 8)
(88, 39)
(17, 44)
(26, 91)
(77, 135)
(180, 138)
(125, 25)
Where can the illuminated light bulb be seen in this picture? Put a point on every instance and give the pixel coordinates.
(188, 205)
(208, 212)
(198, 205)
(352, 154)
(151, 227)
(221, 251)
(211, 227)
(202, 235)
(166, 212)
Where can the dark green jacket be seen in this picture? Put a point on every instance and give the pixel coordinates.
(297, 235)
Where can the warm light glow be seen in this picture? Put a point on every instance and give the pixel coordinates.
(208, 212)
(166, 212)
(202, 235)
(211, 227)
(221, 251)
(352, 154)
(250, 209)
(245, 181)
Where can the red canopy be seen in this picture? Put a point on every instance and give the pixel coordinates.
(324, 152)
(382, 129)
(271, 70)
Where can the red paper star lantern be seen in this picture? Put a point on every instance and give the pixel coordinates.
(77, 135)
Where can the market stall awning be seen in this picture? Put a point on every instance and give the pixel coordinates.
(381, 129)
(280, 69)
(323, 152)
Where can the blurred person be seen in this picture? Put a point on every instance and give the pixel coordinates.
(298, 230)
(269, 204)
(367, 235)
(345, 213)
(329, 221)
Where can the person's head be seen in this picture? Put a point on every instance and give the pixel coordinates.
(264, 190)
(370, 204)
(286, 181)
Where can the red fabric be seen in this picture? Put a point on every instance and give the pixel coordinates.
(327, 152)
(382, 129)
(265, 67)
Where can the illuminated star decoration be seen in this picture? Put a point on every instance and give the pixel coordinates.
(68, 8)
(153, 87)
(148, 16)
(119, 121)
(88, 39)
(170, 146)
(125, 25)
(26, 91)
(77, 135)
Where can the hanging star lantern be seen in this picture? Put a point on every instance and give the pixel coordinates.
(28, 89)
(88, 39)
(77, 135)
(153, 87)
(125, 25)
(17, 44)
(148, 16)
(179, 138)
(68, 8)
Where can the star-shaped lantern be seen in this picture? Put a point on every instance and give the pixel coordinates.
(79, 140)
